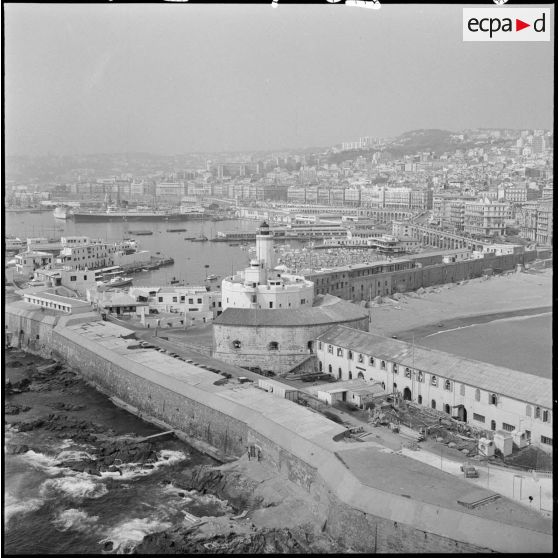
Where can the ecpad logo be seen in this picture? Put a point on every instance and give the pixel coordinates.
(506, 24)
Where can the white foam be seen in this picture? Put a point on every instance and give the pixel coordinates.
(76, 520)
(134, 470)
(14, 506)
(78, 487)
(128, 534)
(74, 455)
(42, 462)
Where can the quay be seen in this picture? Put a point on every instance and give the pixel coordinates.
(376, 499)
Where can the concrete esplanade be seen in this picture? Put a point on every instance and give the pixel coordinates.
(376, 500)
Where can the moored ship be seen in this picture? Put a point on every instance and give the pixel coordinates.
(138, 214)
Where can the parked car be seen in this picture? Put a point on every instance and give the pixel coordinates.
(469, 471)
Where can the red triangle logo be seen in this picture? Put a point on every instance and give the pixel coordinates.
(519, 25)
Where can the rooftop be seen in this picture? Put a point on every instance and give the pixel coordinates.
(331, 310)
(505, 381)
(73, 302)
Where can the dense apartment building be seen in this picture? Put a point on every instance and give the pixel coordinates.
(536, 220)
(486, 218)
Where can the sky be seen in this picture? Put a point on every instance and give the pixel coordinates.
(179, 78)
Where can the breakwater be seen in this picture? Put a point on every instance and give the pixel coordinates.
(360, 510)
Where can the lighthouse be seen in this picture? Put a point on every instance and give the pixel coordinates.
(264, 247)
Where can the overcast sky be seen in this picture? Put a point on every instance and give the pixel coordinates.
(173, 78)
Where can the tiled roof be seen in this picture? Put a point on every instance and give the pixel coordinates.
(336, 311)
(497, 379)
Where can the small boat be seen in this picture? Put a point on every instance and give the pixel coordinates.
(115, 282)
(201, 238)
(177, 230)
(212, 277)
(174, 280)
(189, 238)
(234, 244)
(142, 232)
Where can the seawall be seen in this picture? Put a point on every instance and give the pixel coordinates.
(367, 518)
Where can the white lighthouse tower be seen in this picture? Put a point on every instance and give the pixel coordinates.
(264, 247)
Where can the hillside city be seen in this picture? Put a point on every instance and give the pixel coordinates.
(357, 334)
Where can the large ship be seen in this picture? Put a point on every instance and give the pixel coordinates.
(138, 214)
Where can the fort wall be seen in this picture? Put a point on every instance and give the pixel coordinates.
(365, 518)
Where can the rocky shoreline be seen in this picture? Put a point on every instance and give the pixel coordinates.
(45, 401)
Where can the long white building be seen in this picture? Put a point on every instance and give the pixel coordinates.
(481, 394)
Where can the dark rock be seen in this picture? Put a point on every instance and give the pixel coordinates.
(17, 449)
(108, 546)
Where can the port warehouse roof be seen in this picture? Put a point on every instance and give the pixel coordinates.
(332, 310)
(497, 379)
(46, 295)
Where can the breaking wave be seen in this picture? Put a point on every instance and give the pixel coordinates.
(13, 506)
(125, 536)
(129, 471)
(76, 520)
(77, 487)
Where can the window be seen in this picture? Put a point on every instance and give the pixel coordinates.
(492, 399)
(330, 369)
(371, 361)
(433, 403)
(160, 299)
(462, 389)
(395, 369)
(420, 376)
(350, 355)
(73, 278)
(340, 373)
(199, 300)
(85, 277)
(236, 344)
(339, 352)
(361, 358)
(271, 304)
(321, 366)
(546, 440)
(508, 427)
(407, 372)
(528, 410)
(383, 365)
(330, 349)
(477, 395)
(492, 425)
(191, 300)
(545, 414)
(319, 344)
(350, 375)
(419, 399)
(273, 346)
(447, 409)
(537, 412)
(182, 299)
(174, 299)
(302, 301)
(478, 418)
(434, 381)
(447, 385)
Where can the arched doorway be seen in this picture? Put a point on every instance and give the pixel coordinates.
(360, 376)
(311, 346)
(407, 394)
(447, 409)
